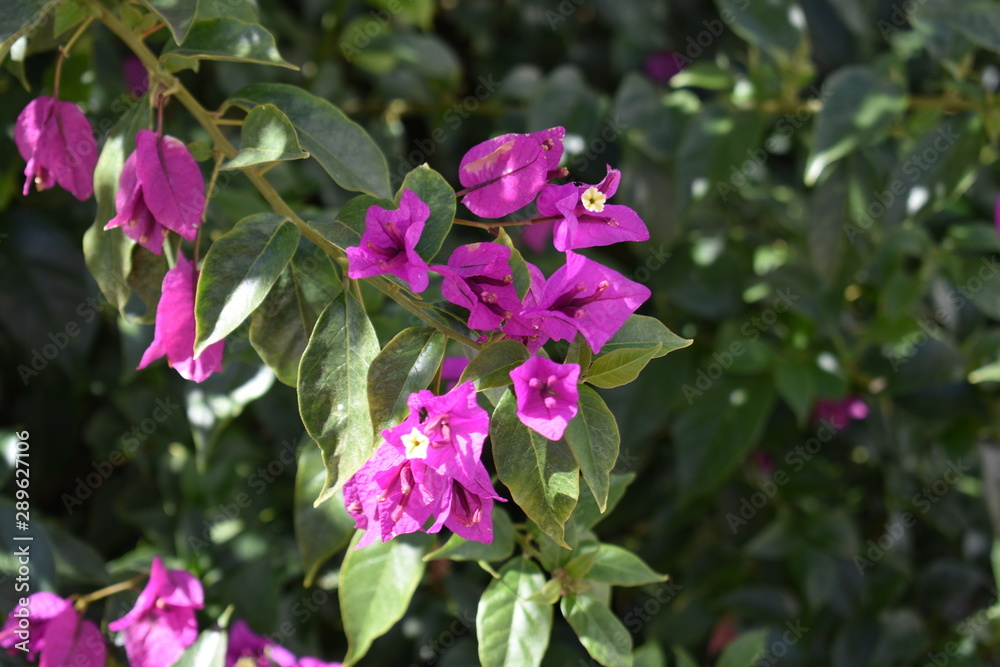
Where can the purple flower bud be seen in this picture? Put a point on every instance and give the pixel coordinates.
(547, 395)
(389, 242)
(57, 142)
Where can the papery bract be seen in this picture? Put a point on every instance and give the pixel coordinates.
(526, 325)
(547, 395)
(175, 326)
(55, 630)
(57, 142)
(584, 219)
(389, 242)
(244, 644)
(478, 278)
(161, 188)
(587, 297)
(162, 623)
(507, 172)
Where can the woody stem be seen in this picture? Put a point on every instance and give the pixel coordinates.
(126, 585)
(64, 51)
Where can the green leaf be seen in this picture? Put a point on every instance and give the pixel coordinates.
(620, 567)
(593, 437)
(67, 15)
(744, 650)
(238, 272)
(459, 548)
(209, 650)
(346, 230)
(683, 658)
(406, 364)
(513, 632)
(579, 353)
(179, 15)
(599, 630)
(229, 39)
(376, 584)
(433, 190)
(795, 384)
(619, 367)
(978, 20)
(859, 108)
(146, 280)
(18, 17)
(518, 267)
(542, 476)
(769, 25)
(266, 136)
(641, 333)
(492, 366)
(587, 514)
(319, 531)
(333, 389)
(341, 146)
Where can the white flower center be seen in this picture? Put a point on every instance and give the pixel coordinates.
(593, 200)
(416, 444)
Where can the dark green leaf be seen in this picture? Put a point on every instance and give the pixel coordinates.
(587, 513)
(543, 477)
(620, 567)
(492, 366)
(333, 389)
(513, 632)
(376, 584)
(266, 136)
(794, 382)
(683, 658)
(620, 367)
(339, 144)
(599, 630)
(593, 437)
(459, 548)
(777, 26)
(179, 15)
(238, 272)
(229, 39)
(434, 191)
(405, 365)
(320, 531)
(18, 17)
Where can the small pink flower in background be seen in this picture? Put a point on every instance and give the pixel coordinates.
(428, 465)
(252, 649)
(478, 278)
(136, 76)
(839, 413)
(547, 395)
(451, 371)
(388, 244)
(507, 172)
(661, 66)
(50, 626)
(724, 632)
(57, 142)
(161, 188)
(162, 623)
(585, 219)
(175, 327)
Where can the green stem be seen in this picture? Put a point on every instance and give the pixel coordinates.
(64, 52)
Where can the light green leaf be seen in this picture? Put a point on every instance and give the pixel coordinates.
(593, 437)
(513, 632)
(744, 650)
(229, 39)
(238, 272)
(599, 630)
(319, 531)
(543, 477)
(459, 548)
(492, 366)
(266, 136)
(333, 389)
(407, 364)
(433, 190)
(641, 333)
(340, 145)
(376, 584)
(179, 15)
(209, 650)
(620, 567)
(619, 367)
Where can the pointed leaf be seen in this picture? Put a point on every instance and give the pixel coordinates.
(492, 366)
(238, 272)
(593, 437)
(459, 548)
(407, 364)
(518, 267)
(587, 514)
(513, 632)
(340, 145)
(209, 650)
(266, 136)
(641, 333)
(619, 367)
(599, 630)
(543, 477)
(333, 389)
(376, 584)
(229, 39)
(620, 567)
(179, 15)
(433, 190)
(319, 531)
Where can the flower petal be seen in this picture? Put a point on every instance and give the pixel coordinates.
(172, 184)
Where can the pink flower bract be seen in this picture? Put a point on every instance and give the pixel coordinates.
(478, 278)
(388, 244)
(55, 630)
(547, 395)
(175, 327)
(57, 142)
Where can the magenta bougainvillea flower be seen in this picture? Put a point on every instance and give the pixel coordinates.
(661, 66)
(547, 395)
(507, 172)
(840, 413)
(478, 278)
(587, 297)
(49, 625)
(584, 219)
(57, 142)
(162, 623)
(175, 332)
(526, 326)
(388, 244)
(253, 649)
(429, 465)
(161, 188)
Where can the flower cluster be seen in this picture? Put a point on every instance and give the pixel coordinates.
(48, 628)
